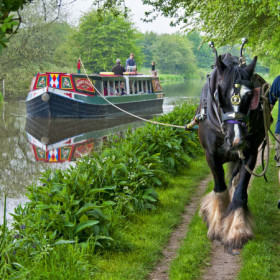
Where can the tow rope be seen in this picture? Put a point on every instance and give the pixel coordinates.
(124, 111)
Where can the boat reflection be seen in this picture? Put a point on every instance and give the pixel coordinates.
(60, 140)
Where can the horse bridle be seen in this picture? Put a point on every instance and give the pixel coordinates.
(234, 117)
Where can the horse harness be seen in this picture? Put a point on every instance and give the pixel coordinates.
(211, 111)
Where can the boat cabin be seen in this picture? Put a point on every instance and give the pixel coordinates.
(107, 85)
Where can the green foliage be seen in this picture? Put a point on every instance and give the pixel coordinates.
(84, 204)
(172, 53)
(8, 20)
(100, 41)
(148, 233)
(26, 56)
(147, 41)
(204, 56)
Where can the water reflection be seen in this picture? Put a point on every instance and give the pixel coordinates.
(25, 154)
(61, 140)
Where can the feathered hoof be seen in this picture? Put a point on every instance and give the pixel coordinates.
(212, 208)
(237, 229)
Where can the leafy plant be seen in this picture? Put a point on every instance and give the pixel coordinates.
(86, 204)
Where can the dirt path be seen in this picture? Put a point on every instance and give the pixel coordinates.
(160, 272)
(223, 266)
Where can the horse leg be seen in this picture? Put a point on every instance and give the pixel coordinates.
(215, 203)
(237, 225)
(235, 177)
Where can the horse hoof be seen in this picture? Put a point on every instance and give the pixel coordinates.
(237, 229)
(279, 204)
(217, 242)
(234, 252)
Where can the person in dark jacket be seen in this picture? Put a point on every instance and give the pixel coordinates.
(274, 96)
(130, 61)
(118, 69)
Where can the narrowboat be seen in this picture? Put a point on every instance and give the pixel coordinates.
(61, 95)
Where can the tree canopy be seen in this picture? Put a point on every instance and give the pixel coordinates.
(224, 22)
(100, 41)
(173, 54)
(8, 20)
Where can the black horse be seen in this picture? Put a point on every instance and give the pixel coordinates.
(231, 130)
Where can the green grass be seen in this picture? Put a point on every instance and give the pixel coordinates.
(149, 233)
(260, 256)
(194, 254)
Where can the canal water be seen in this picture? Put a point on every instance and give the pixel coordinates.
(28, 146)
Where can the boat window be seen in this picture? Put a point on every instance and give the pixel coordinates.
(122, 87)
(99, 86)
(132, 87)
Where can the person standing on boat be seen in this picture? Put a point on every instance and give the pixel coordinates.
(118, 69)
(153, 69)
(130, 61)
(79, 66)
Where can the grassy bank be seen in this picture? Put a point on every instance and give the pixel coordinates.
(260, 257)
(148, 233)
(171, 78)
(94, 203)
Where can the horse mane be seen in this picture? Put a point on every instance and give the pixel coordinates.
(231, 73)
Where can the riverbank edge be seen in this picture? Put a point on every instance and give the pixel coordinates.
(156, 147)
(150, 232)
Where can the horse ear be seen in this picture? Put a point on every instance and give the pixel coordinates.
(251, 67)
(220, 65)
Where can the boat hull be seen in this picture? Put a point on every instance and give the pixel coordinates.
(59, 106)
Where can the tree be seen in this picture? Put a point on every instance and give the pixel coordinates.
(34, 50)
(100, 41)
(8, 20)
(225, 22)
(146, 43)
(11, 17)
(173, 55)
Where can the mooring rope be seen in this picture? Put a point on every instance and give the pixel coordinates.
(124, 111)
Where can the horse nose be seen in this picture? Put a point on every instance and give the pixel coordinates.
(236, 143)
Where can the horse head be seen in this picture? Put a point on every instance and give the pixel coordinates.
(233, 93)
